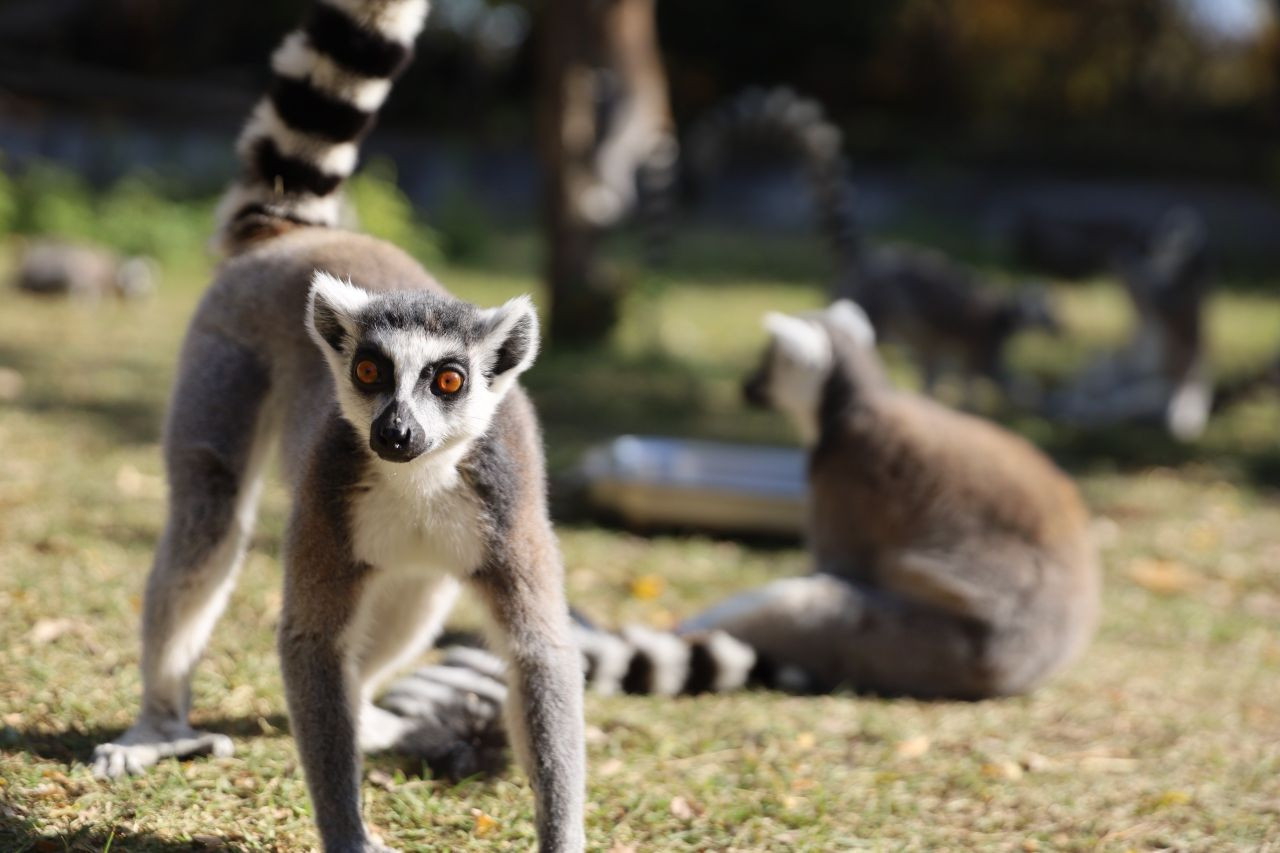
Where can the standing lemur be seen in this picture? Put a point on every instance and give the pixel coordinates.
(1162, 375)
(414, 458)
(938, 308)
(951, 558)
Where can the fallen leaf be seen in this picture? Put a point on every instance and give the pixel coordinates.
(681, 808)
(484, 824)
(647, 587)
(1002, 770)
(47, 791)
(1165, 800)
(913, 747)
(381, 779)
(1163, 577)
(46, 631)
(805, 740)
(1108, 764)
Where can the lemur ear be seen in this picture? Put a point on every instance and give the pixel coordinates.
(510, 334)
(849, 317)
(332, 307)
(801, 340)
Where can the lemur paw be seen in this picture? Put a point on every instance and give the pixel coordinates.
(149, 741)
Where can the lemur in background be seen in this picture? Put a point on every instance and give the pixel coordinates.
(414, 458)
(951, 558)
(1162, 375)
(939, 309)
(53, 268)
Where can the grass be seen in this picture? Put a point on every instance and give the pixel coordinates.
(1166, 735)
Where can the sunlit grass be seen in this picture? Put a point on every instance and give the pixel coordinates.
(1164, 736)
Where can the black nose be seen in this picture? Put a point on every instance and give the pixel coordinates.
(395, 434)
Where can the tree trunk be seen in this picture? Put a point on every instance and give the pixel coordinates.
(589, 164)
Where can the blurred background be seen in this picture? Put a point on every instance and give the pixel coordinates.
(981, 108)
(1099, 179)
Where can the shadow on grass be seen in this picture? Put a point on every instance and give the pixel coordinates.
(129, 418)
(75, 745)
(1131, 448)
(18, 835)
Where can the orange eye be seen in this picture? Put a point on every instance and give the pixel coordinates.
(367, 372)
(449, 382)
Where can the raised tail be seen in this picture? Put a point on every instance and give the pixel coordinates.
(781, 120)
(301, 142)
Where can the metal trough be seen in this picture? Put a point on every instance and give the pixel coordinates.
(649, 481)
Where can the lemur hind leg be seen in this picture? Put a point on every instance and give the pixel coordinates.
(820, 632)
(215, 445)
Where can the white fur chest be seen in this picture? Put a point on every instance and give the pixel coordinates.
(418, 518)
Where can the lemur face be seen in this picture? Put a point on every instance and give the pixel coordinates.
(800, 356)
(417, 373)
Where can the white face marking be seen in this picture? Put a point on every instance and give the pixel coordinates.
(849, 317)
(798, 369)
(446, 424)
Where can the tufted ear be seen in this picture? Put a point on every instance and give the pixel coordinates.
(332, 308)
(848, 316)
(800, 340)
(509, 338)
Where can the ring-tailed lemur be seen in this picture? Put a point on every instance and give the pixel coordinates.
(951, 558)
(51, 268)
(938, 308)
(414, 458)
(1162, 375)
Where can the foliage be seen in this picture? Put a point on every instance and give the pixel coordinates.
(136, 215)
(464, 227)
(384, 210)
(140, 214)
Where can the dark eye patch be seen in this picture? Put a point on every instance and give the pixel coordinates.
(456, 362)
(386, 370)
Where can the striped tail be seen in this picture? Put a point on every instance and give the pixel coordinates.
(453, 709)
(783, 121)
(329, 79)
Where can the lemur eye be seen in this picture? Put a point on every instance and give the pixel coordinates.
(367, 372)
(448, 382)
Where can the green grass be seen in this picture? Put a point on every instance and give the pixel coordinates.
(1166, 735)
